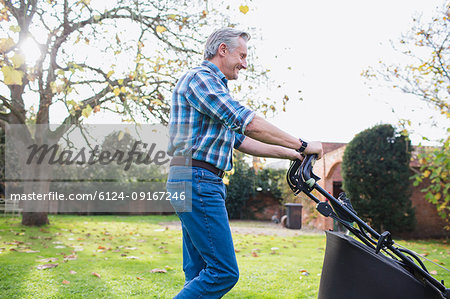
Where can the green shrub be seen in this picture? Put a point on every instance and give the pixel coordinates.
(376, 176)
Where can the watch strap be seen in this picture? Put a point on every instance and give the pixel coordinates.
(303, 147)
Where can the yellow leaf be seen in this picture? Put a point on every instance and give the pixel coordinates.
(156, 102)
(11, 76)
(160, 29)
(172, 17)
(18, 60)
(109, 74)
(244, 9)
(6, 44)
(437, 196)
(14, 29)
(120, 136)
(123, 90)
(116, 91)
(426, 173)
(87, 111)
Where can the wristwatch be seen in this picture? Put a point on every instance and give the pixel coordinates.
(303, 147)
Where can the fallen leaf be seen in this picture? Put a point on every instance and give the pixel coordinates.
(132, 257)
(156, 270)
(71, 257)
(96, 274)
(72, 272)
(433, 272)
(48, 260)
(65, 282)
(254, 254)
(46, 266)
(139, 278)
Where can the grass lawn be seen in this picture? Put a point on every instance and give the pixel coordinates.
(140, 257)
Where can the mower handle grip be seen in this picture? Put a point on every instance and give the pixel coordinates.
(306, 170)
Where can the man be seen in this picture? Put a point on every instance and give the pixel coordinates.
(205, 125)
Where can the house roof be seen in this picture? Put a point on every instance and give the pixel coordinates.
(331, 146)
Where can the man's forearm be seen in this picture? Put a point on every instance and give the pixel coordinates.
(262, 130)
(256, 148)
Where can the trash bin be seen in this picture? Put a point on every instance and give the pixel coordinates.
(294, 215)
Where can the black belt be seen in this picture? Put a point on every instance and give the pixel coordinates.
(182, 161)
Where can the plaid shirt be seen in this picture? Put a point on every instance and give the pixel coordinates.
(205, 122)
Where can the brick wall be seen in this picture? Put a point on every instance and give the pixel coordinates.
(263, 206)
(428, 222)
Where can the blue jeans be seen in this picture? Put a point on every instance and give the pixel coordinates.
(209, 261)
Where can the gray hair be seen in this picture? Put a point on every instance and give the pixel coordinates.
(228, 36)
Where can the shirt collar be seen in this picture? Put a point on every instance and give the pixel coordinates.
(215, 70)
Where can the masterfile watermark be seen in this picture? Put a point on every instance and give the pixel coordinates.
(38, 153)
(90, 168)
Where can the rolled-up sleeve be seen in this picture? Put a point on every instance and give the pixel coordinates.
(238, 139)
(209, 96)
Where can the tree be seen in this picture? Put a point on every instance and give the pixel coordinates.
(241, 186)
(426, 76)
(375, 172)
(244, 182)
(122, 56)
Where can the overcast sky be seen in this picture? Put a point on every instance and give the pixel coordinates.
(328, 44)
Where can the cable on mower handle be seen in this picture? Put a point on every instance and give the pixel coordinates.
(300, 178)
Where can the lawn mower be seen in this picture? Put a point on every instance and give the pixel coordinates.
(373, 267)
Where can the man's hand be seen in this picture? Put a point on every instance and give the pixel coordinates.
(314, 147)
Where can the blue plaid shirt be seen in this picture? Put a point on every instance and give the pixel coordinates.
(205, 122)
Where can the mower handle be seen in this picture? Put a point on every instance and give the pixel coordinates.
(301, 179)
(306, 170)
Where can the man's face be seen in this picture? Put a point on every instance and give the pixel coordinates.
(235, 60)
